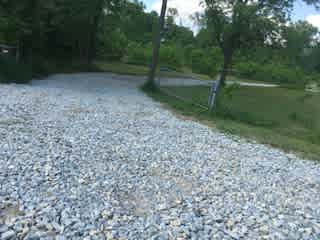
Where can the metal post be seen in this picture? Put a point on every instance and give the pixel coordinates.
(213, 95)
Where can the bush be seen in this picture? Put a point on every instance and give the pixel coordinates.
(171, 56)
(206, 61)
(142, 55)
(188, 55)
(273, 73)
(138, 54)
(112, 45)
(12, 72)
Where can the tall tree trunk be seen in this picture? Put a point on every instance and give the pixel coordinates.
(222, 80)
(156, 47)
(226, 64)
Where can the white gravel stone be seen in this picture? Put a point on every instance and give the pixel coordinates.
(7, 235)
(89, 156)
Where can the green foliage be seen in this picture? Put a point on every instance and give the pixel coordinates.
(289, 76)
(178, 35)
(289, 119)
(112, 45)
(138, 54)
(298, 37)
(206, 61)
(205, 39)
(136, 24)
(12, 72)
(201, 62)
(311, 59)
(236, 25)
(172, 56)
(290, 112)
(123, 30)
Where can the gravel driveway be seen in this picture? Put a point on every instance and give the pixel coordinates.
(89, 156)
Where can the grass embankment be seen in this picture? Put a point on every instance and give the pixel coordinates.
(141, 70)
(10, 71)
(284, 118)
(235, 79)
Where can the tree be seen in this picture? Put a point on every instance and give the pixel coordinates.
(238, 23)
(156, 48)
(204, 39)
(136, 24)
(299, 38)
(97, 9)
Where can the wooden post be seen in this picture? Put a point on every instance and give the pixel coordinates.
(156, 46)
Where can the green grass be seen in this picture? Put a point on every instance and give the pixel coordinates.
(44, 67)
(122, 68)
(238, 79)
(140, 70)
(284, 118)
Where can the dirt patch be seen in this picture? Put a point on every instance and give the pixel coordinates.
(8, 212)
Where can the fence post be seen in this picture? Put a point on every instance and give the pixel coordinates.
(213, 95)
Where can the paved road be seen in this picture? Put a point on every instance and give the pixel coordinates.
(196, 82)
(89, 156)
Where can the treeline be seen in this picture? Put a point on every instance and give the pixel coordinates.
(46, 33)
(56, 28)
(291, 61)
(50, 33)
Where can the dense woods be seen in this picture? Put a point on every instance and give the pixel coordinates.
(58, 31)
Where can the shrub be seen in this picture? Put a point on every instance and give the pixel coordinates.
(12, 72)
(138, 54)
(188, 55)
(206, 61)
(112, 45)
(272, 72)
(172, 56)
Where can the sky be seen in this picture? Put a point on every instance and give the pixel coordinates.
(186, 7)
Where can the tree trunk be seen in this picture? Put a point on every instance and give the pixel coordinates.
(221, 82)
(225, 69)
(156, 47)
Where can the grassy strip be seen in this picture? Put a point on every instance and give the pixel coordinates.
(140, 70)
(43, 67)
(283, 118)
(122, 68)
(239, 80)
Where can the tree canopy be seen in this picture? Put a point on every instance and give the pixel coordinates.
(239, 23)
(242, 35)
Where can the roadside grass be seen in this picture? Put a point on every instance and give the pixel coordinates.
(238, 80)
(122, 68)
(284, 118)
(141, 70)
(44, 67)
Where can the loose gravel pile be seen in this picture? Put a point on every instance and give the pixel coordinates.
(89, 156)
